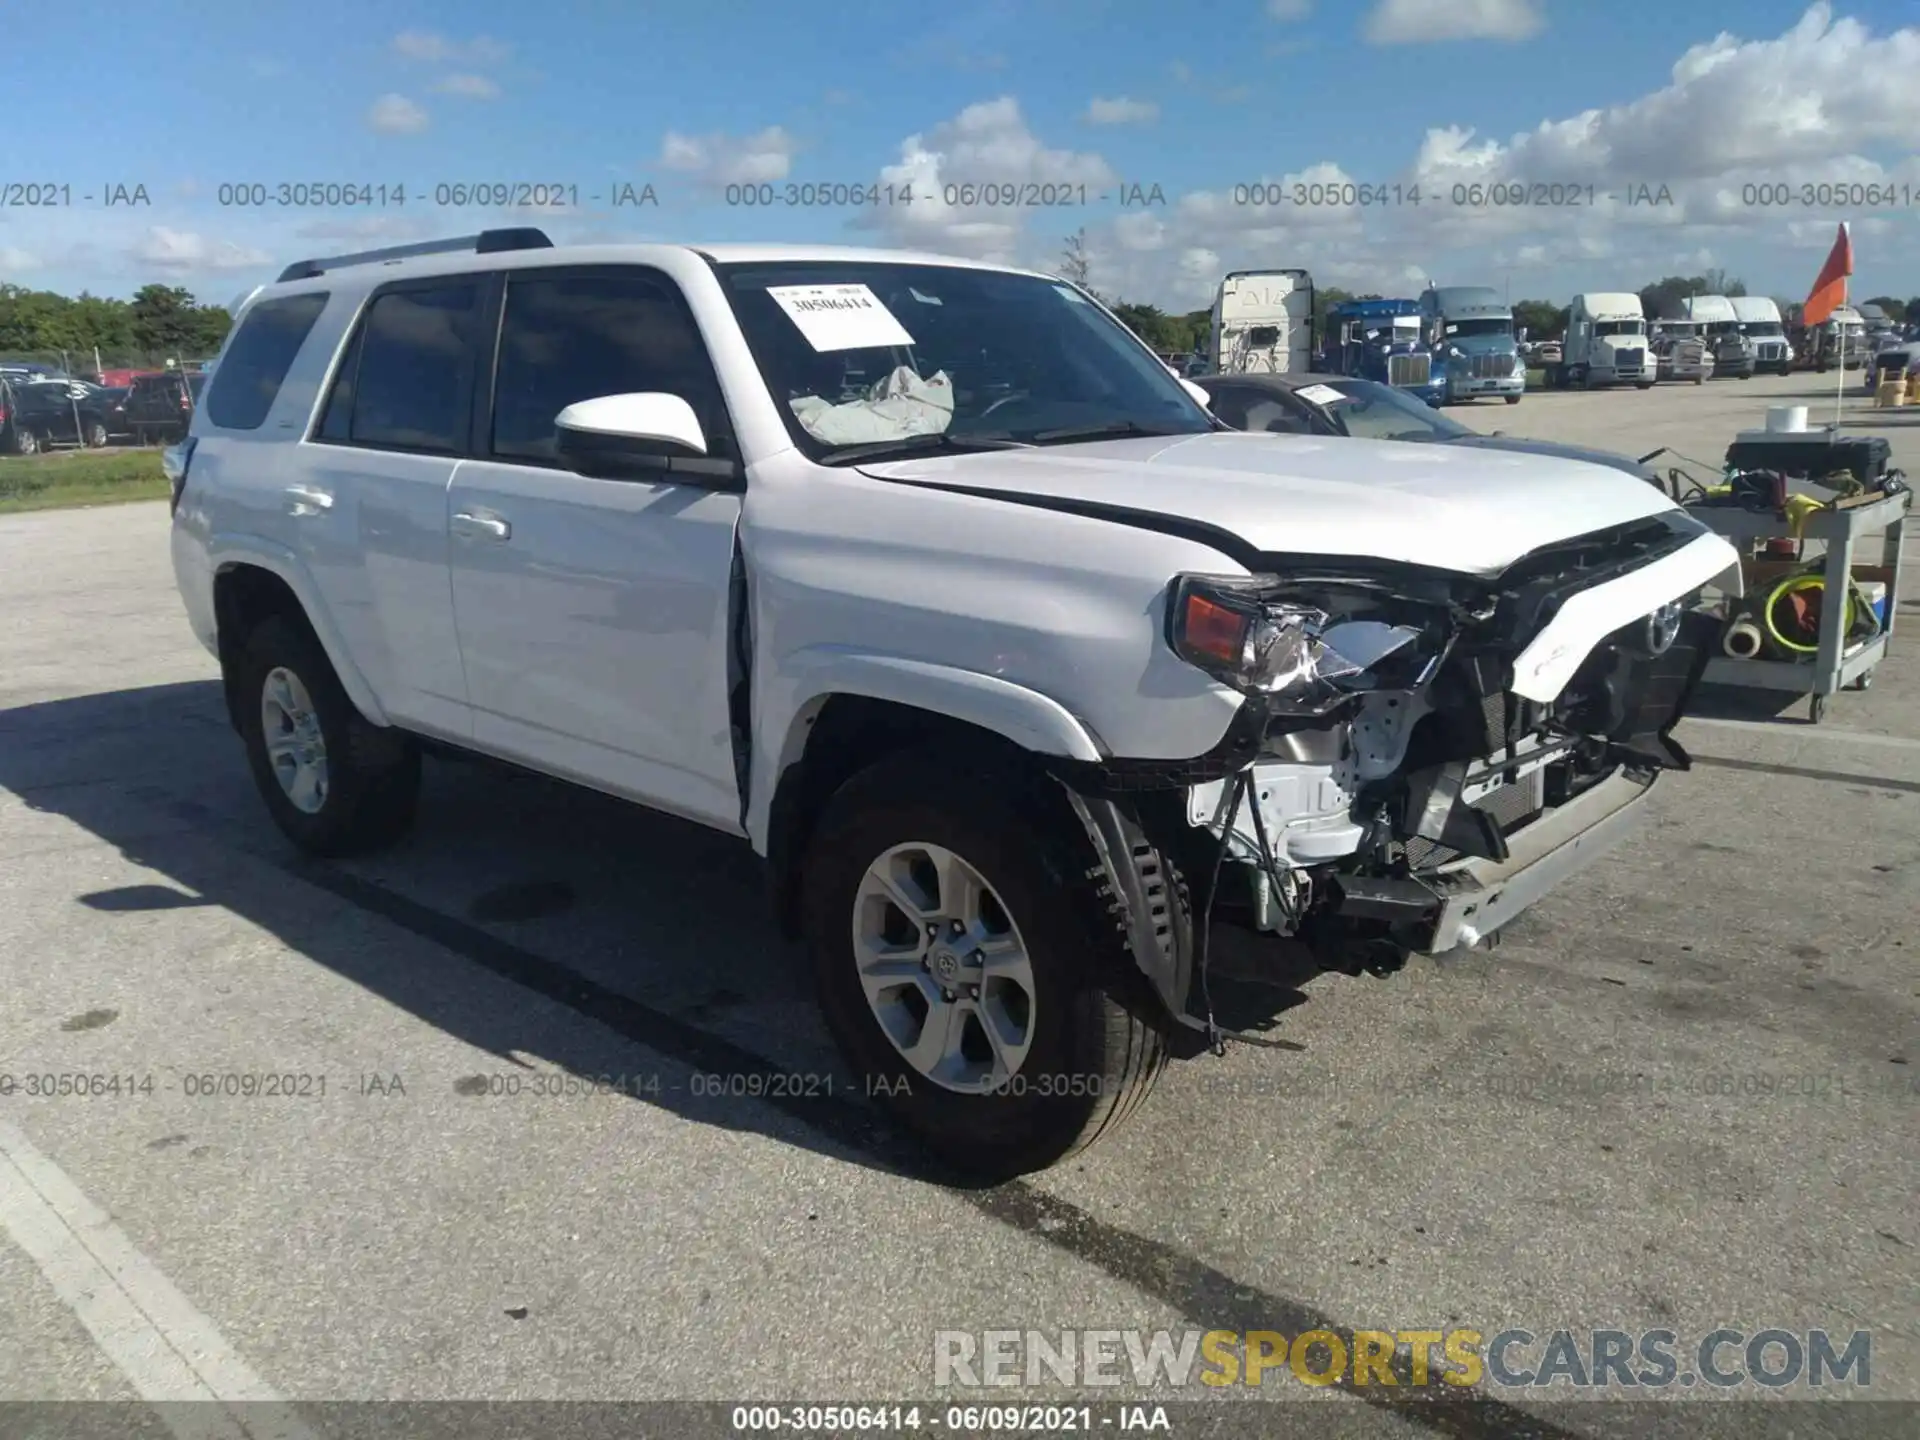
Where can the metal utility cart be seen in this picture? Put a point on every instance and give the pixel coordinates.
(1835, 666)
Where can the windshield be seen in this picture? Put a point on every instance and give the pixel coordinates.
(865, 352)
(1763, 327)
(1462, 329)
(1371, 411)
(1617, 327)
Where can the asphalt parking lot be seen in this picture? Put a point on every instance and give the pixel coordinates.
(1684, 1093)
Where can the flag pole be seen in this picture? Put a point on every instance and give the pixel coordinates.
(1840, 391)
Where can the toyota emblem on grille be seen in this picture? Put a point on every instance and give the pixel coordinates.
(1663, 628)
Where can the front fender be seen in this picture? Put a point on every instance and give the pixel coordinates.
(225, 549)
(808, 677)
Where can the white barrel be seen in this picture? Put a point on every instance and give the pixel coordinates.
(1787, 419)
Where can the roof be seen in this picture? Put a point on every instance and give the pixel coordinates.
(456, 260)
(1267, 380)
(1600, 302)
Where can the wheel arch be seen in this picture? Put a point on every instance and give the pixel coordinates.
(249, 587)
(836, 732)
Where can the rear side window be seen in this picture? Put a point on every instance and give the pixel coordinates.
(565, 338)
(411, 381)
(258, 358)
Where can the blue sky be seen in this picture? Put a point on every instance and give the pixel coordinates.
(1195, 101)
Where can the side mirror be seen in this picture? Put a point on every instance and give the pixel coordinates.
(1198, 392)
(615, 437)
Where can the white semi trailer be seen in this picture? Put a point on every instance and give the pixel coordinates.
(1262, 323)
(1606, 343)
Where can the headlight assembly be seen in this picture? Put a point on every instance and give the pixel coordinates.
(1306, 657)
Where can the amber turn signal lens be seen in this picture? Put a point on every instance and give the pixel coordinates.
(1215, 631)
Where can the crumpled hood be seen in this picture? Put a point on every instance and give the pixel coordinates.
(1459, 508)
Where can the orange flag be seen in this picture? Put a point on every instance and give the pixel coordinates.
(1830, 290)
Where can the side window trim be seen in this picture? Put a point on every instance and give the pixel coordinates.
(354, 348)
(720, 469)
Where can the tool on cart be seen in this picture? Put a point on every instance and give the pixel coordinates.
(1781, 620)
(1784, 490)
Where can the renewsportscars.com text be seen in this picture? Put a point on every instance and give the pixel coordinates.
(1458, 1357)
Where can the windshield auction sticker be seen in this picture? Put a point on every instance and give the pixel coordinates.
(840, 317)
(1320, 394)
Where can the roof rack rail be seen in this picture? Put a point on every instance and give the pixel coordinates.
(487, 242)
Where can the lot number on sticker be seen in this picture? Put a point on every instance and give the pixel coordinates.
(839, 317)
(1320, 394)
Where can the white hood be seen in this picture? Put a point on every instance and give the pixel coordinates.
(1463, 509)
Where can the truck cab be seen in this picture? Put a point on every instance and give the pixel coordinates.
(1733, 352)
(1606, 343)
(1382, 340)
(1760, 322)
(1679, 353)
(1262, 323)
(1470, 330)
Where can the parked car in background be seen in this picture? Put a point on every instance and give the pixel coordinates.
(41, 414)
(1356, 409)
(160, 406)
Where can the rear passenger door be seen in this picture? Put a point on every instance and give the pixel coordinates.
(373, 518)
(592, 613)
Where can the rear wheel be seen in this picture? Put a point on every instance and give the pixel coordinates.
(96, 436)
(961, 973)
(335, 784)
(25, 442)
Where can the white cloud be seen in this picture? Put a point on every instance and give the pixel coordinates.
(1420, 22)
(183, 251)
(730, 160)
(396, 115)
(438, 49)
(1827, 104)
(1289, 9)
(1121, 111)
(986, 154)
(469, 87)
(12, 260)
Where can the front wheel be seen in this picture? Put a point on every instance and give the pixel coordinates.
(25, 442)
(334, 783)
(969, 986)
(1643, 385)
(96, 436)
(1512, 399)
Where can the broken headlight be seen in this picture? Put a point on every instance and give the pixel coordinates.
(1305, 657)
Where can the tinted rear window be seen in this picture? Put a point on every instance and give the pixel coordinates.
(256, 362)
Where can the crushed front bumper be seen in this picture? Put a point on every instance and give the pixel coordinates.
(1477, 897)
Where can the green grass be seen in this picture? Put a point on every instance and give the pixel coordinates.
(80, 477)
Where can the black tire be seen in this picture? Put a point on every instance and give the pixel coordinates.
(25, 442)
(96, 436)
(1643, 385)
(373, 774)
(1099, 1041)
(1511, 399)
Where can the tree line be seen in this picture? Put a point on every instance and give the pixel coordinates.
(160, 322)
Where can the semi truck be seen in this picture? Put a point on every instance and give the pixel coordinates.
(1760, 322)
(1605, 344)
(1678, 351)
(1470, 328)
(1262, 323)
(1382, 340)
(1732, 351)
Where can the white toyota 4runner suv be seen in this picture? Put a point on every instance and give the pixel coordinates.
(1052, 704)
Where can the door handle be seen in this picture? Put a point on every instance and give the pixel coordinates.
(304, 500)
(490, 526)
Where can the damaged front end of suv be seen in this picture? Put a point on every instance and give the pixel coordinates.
(1419, 757)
